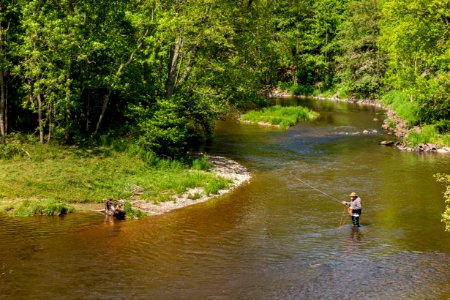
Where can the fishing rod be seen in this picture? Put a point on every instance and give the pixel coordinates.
(318, 190)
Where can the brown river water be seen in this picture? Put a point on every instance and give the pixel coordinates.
(272, 238)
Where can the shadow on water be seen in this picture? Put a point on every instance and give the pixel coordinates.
(273, 238)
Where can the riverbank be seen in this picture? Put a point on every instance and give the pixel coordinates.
(51, 179)
(393, 124)
(219, 166)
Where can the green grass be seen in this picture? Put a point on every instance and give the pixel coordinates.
(89, 175)
(25, 208)
(281, 116)
(405, 109)
(427, 135)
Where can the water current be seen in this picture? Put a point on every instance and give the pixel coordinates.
(272, 238)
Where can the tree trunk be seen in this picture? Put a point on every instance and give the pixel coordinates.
(104, 107)
(174, 56)
(108, 95)
(49, 135)
(2, 108)
(3, 95)
(40, 120)
(67, 125)
(188, 69)
(6, 115)
(88, 113)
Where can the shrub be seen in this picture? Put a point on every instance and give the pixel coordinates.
(9, 151)
(201, 164)
(166, 132)
(445, 179)
(215, 185)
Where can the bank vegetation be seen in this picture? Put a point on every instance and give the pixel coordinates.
(159, 73)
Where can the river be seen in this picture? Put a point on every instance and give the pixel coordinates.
(272, 238)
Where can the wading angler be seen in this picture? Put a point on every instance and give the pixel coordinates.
(354, 208)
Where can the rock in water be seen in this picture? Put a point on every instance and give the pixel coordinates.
(386, 143)
(115, 208)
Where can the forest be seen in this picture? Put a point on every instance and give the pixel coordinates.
(159, 73)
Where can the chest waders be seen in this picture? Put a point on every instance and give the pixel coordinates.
(355, 213)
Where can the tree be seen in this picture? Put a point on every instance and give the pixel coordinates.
(416, 37)
(8, 32)
(361, 65)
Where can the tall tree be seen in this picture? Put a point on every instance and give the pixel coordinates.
(415, 34)
(361, 65)
(8, 28)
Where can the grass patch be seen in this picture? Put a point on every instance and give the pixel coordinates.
(132, 213)
(280, 115)
(26, 208)
(89, 175)
(428, 134)
(403, 107)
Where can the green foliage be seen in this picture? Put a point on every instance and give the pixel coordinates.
(132, 213)
(445, 179)
(41, 207)
(304, 90)
(9, 151)
(405, 108)
(282, 116)
(166, 132)
(214, 186)
(360, 64)
(162, 72)
(427, 134)
(415, 35)
(201, 164)
(79, 175)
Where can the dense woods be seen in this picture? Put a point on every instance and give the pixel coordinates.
(160, 72)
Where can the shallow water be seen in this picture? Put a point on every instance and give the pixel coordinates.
(272, 238)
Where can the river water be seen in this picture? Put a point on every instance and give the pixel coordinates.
(272, 238)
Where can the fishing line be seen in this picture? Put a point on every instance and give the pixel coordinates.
(318, 190)
(343, 220)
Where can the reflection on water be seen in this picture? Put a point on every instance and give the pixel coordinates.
(273, 238)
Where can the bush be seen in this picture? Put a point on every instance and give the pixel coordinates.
(10, 151)
(166, 132)
(445, 179)
(201, 164)
(305, 90)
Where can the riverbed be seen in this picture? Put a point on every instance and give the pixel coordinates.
(272, 238)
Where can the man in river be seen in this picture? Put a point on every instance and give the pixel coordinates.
(354, 208)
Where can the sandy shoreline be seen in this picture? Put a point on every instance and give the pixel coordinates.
(221, 166)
